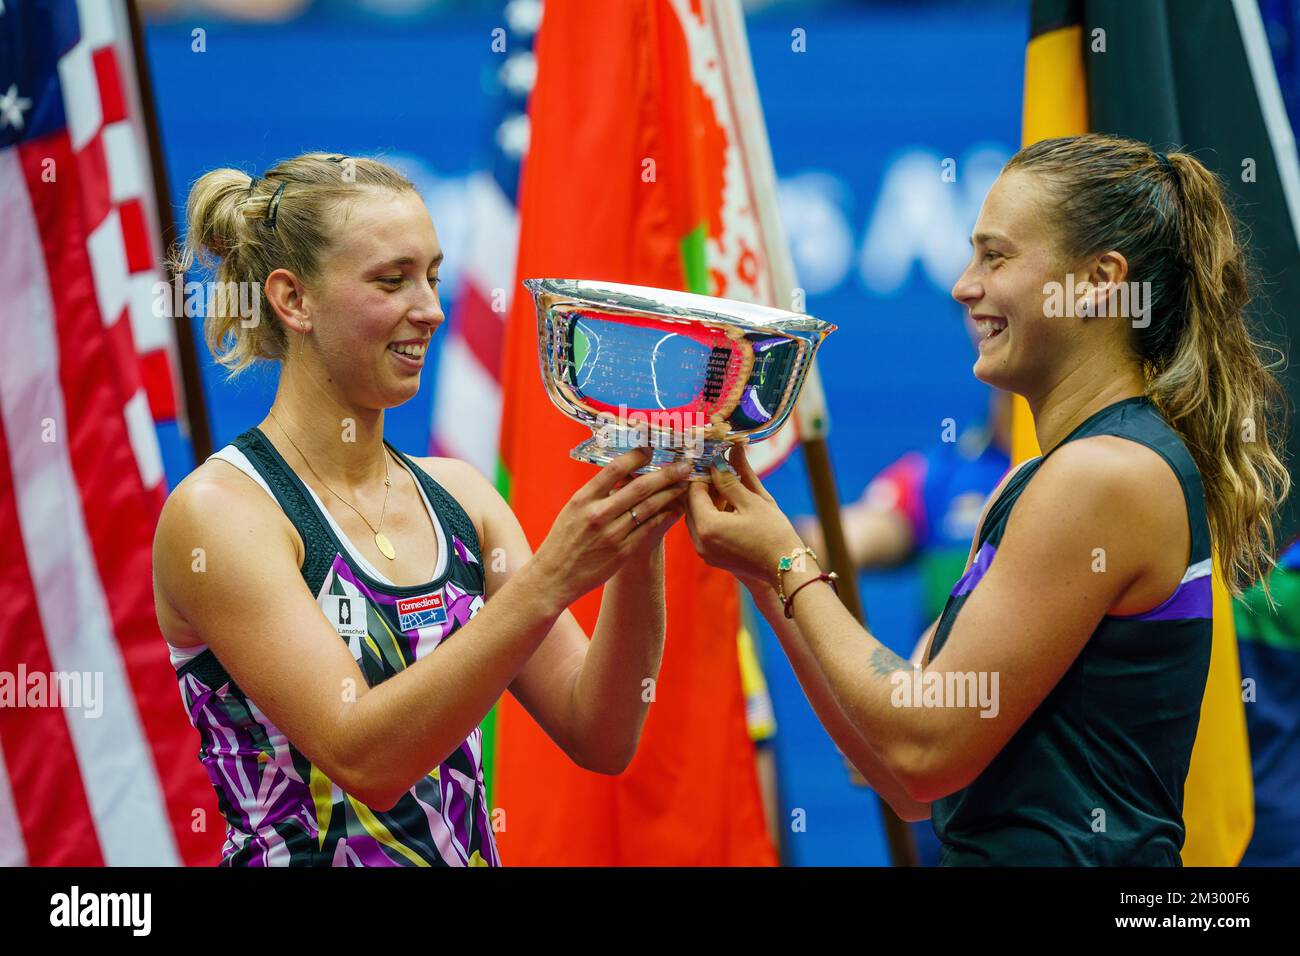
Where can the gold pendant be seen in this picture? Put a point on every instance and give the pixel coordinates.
(384, 545)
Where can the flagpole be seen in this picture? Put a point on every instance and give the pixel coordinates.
(814, 425)
(195, 412)
(811, 413)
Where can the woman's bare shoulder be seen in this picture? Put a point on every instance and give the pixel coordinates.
(214, 520)
(1137, 507)
(216, 482)
(1119, 463)
(215, 493)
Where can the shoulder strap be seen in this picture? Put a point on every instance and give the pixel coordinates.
(289, 491)
(457, 521)
(1000, 507)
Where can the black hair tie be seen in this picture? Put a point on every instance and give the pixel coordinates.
(273, 208)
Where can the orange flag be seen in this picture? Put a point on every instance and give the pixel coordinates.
(625, 182)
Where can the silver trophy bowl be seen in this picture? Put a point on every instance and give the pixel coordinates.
(687, 375)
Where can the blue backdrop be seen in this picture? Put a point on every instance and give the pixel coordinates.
(860, 124)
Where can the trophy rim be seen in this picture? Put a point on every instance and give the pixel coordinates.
(674, 303)
(554, 297)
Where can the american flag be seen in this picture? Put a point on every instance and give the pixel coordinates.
(467, 397)
(107, 773)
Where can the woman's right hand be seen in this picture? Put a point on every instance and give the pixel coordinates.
(595, 532)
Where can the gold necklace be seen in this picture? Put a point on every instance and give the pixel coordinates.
(381, 540)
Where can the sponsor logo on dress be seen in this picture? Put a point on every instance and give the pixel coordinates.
(423, 611)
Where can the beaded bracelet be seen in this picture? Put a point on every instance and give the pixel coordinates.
(829, 578)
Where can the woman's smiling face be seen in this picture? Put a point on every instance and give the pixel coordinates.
(377, 299)
(1014, 256)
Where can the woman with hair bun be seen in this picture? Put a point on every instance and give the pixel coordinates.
(1052, 717)
(342, 616)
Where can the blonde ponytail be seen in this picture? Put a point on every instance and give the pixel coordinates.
(250, 226)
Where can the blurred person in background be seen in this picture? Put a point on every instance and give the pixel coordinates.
(1268, 641)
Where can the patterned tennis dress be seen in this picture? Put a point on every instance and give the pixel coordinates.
(280, 810)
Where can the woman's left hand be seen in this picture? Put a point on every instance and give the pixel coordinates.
(737, 526)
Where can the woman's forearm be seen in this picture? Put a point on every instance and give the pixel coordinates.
(824, 703)
(866, 679)
(616, 685)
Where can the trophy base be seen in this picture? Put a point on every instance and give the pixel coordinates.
(596, 451)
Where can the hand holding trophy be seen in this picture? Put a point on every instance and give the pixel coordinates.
(609, 519)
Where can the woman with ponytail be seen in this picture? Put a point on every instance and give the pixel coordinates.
(342, 616)
(1052, 717)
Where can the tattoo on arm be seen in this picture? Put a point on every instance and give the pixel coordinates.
(884, 661)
